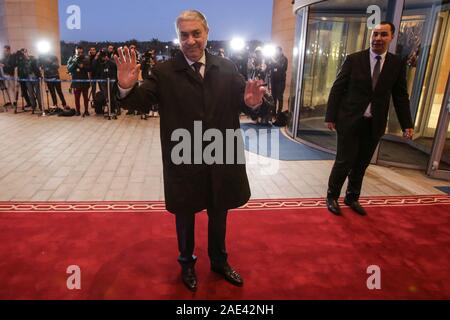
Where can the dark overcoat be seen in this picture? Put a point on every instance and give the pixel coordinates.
(216, 101)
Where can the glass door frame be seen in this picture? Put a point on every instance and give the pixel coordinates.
(419, 80)
(416, 101)
(304, 12)
(440, 137)
(427, 100)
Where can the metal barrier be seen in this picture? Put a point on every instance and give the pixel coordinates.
(42, 80)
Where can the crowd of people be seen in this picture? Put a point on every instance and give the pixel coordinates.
(21, 73)
(271, 70)
(89, 74)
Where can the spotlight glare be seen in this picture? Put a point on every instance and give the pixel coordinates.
(43, 46)
(237, 44)
(269, 50)
(176, 41)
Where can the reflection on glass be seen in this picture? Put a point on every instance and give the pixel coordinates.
(410, 37)
(424, 44)
(441, 74)
(335, 29)
(445, 157)
(294, 73)
(325, 52)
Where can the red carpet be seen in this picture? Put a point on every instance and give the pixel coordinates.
(284, 249)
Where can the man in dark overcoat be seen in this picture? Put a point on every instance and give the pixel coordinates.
(199, 95)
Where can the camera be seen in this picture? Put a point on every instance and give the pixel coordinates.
(20, 55)
(103, 53)
(149, 56)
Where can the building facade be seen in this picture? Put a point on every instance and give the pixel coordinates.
(23, 23)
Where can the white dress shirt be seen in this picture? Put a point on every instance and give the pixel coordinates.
(373, 61)
(202, 61)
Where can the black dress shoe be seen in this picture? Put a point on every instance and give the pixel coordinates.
(356, 206)
(333, 206)
(189, 278)
(229, 274)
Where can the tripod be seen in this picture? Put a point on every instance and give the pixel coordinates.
(109, 115)
(3, 88)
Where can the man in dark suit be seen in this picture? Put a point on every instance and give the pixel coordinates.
(196, 87)
(277, 69)
(358, 109)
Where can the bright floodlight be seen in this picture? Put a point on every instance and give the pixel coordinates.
(43, 46)
(237, 44)
(176, 41)
(269, 51)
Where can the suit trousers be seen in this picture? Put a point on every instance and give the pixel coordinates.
(34, 94)
(55, 87)
(24, 91)
(11, 89)
(278, 88)
(355, 149)
(185, 224)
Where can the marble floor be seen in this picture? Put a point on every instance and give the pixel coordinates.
(72, 159)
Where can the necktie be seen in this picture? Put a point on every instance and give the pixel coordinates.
(376, 72)
(197, 65)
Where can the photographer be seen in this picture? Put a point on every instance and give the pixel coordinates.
(147, 65)
(241, 59)
(143, 59)
(93, 55)
(263, 114)
(106, 68)
(3, 89)
(277, 70)
(50, 66)
(7, 66)
(28, 69)
(138, 54)
(259, 68)
(111, 50)
(78, 66)
(221, 53)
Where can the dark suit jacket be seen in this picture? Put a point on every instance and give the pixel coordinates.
(183, 97)
(352, 92)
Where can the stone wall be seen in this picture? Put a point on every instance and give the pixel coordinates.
(25, 22)
(283, 33)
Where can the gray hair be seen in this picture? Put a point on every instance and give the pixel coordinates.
(190, 15)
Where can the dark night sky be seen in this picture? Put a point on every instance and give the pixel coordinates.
(114, 20)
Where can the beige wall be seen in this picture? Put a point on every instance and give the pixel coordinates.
(283, 33)
(24, 22)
